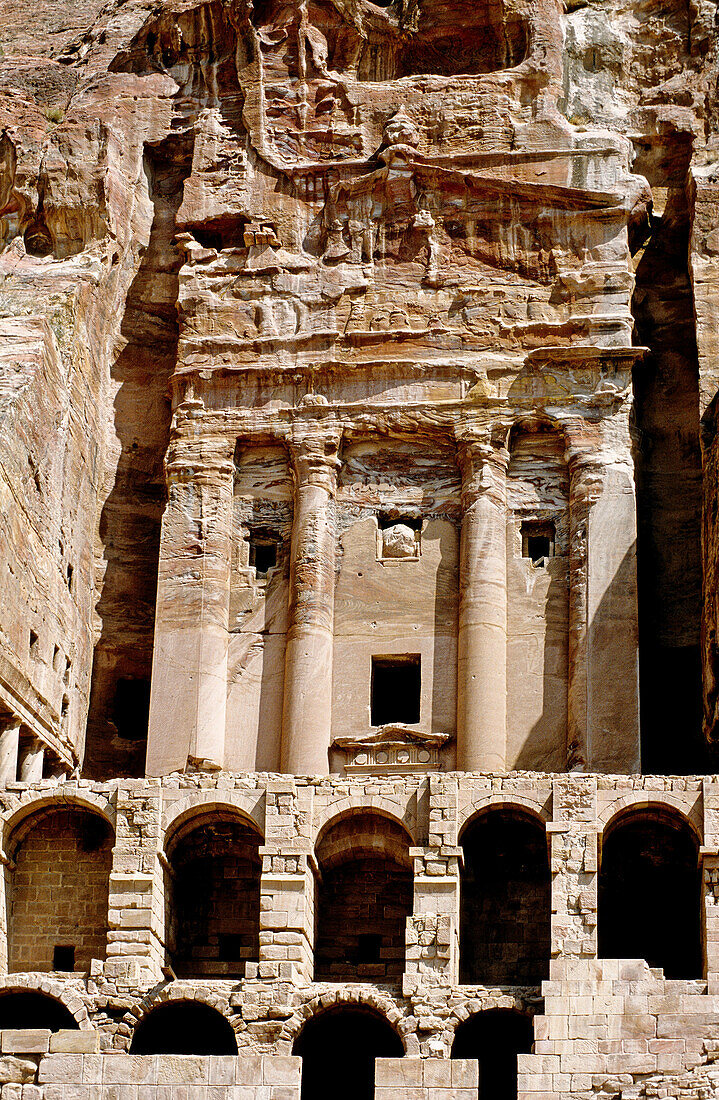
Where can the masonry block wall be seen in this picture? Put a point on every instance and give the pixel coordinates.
(58, 895)
(599, 1024)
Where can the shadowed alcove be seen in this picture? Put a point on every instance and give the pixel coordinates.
(649, 892)
(184, 1027)
(364, 896)
(338, 1050)
(505, 900)
(213, 907)
(495, 1038)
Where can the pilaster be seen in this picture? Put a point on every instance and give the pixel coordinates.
(287, 886)
(574, 868)
(136, 913)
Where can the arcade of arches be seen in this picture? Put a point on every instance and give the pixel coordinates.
(58, 879)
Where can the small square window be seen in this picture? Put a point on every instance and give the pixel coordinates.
(400, 535)
(263, 554)
(537, 541)
(395, 691)
(231, 946)
(369, 946)
(63, 957)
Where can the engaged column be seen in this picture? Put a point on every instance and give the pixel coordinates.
(482, 648)
(307, 708)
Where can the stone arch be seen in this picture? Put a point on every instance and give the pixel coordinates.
(353, 995)
(381, 804)
(363, 898)
(649, 889)
(524, 803)
(67, 996)
(495, 1036)
(491, 1001)
(169, 1024)
(212, 891)
(71, 838)
(177, 991)
(338, 1046)
(505, 897)
(39, 801)
(641, 801)
(249, 804)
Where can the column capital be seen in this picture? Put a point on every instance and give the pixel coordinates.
(585, 474)
(481, 458)
(315, 456)
(199, 459)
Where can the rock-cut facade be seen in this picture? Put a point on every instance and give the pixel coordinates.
(358, 550)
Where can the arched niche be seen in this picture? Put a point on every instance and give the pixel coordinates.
(184, 1027)
(28, 1008)
(212, 909)
(505, 904)
(649, 891)
(364, 896)
(58, 886)
(495, 1038)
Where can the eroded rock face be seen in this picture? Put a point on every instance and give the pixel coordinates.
(332, 263)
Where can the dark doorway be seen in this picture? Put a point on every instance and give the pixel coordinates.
(184, 1027)
(338, 1050)
(649, 894)
(495, 1038)
(505, 901)
(213, 919)
(28, 1009)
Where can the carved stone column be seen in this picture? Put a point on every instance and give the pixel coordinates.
(189, 668)
(32, 758)
(584, 480)
(307, 706)
(482, 648)
(9, 746)
(603, 689)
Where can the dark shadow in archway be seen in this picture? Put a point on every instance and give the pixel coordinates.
(338, 1050)
(649, 893)
(213, 897)
(504, 936)
(184, 1027)
(25, 1008)
(495, 1038)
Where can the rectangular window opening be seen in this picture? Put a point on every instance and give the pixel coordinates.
(369, 945)
(263, 554)
(537, 541)
(63, 957)
(395, 690)
(131, 709)
(231, 946)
